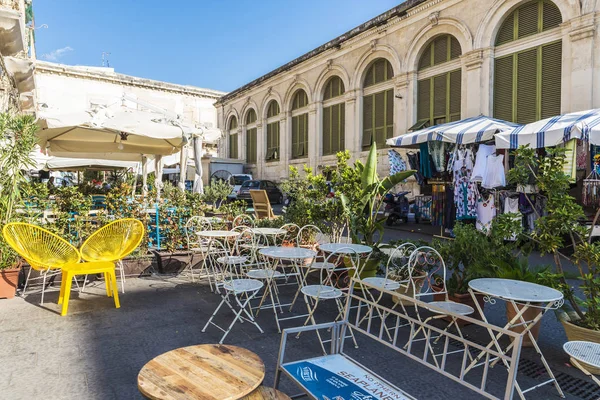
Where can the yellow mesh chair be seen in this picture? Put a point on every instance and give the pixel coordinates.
(113, 242)
(42, 249)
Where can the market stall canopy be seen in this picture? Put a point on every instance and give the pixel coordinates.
(553, 131)
(79, 164)
(469, 130)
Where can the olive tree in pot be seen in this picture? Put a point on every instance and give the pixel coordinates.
(17, 142)
(559, 229)
(360, 191)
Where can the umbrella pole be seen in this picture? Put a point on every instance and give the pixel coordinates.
(144, 176)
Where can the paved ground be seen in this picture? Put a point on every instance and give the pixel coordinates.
(96, 351)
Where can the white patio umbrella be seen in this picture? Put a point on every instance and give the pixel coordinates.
(468, 130)
(77, 164)
(553, 131)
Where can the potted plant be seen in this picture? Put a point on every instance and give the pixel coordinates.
(215, 194)
(17, 142)
(360, 191)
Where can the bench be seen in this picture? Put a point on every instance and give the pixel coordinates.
(339, 375)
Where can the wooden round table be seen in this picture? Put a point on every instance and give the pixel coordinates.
(267, 393)
(207, 372)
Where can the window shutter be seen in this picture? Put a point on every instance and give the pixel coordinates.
(507, 30)
(342, 143)
(326, 130)
(528, 17)
(379, 67)
(335, 128)
(304, 133)
(295, 130)
(424, 99)
(389, 114)
(503, 88)
(389, 71)
(251, 146)
(367, 121)
(455, 94)
(379, 118)
(526, 106)
(440, 49)
(439, 95)
(369, 78)
(425, 60)
(551, 79)
(455, 50)
(254, 144)
(551, 16)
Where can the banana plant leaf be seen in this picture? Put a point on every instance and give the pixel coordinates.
(369, 174)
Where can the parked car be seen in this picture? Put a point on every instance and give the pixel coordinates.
(274, 193)
(236, 181)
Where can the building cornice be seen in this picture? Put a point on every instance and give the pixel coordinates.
(107, 75)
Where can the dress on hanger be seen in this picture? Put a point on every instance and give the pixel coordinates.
(465, 191)
(512, 206)
(425, 160)
(481, 161)
(437, 151)
(486, 211)
(494, 175)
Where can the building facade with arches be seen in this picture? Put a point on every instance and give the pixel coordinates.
(422, 63)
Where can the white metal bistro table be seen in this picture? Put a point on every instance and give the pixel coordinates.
(521, 296)
(584, 352)
(218, 234)
(345, 248)
(296, 255)
(270, 233)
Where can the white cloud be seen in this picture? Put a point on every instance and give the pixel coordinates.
(55, 55)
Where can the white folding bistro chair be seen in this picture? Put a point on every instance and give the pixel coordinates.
(396, 267)
(196, 245)
(243, 220)
(427, 260)
(289, 237)
(235, 292)
(334, 285)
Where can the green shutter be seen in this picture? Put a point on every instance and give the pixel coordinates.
(424, 99)
(251, 146)
(368, 103)
(439, 96)
(528, 19)
(389, 114)
(342, 144)
(551, 17)
(551, 79)
(454, 96)
(507, 30)
(326, 130)
(425, 60)
(335, 128)
(455, 50)
(503, 88)
(526, 106)
(295, 131)
(440, 49)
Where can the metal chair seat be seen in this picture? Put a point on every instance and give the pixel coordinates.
(322, 291)
(242, 285)
(383, 283)
(451, 306)
(263, 274)
(232, 260)
(322, 265)
(200, 249)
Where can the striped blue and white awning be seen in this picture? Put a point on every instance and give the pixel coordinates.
(469, 130)
(553, 131)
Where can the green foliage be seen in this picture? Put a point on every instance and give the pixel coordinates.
(277, 222)
(232, 209)
(217, 192)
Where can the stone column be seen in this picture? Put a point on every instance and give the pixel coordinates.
(402, 119)
(473, 100)
(578, 59)
(261, 143)
(315, 134)
(285, 143)
(354, 122)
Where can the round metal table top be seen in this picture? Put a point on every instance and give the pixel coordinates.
(268, 231)
(345, 248)
(287, 253)
(207, 371)
(588, 352)
(509, 289)
(218, 234)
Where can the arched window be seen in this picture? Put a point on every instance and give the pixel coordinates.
(378, 104)
(233, 137)
(527, 82)
(272, 131)
(334, 116)
(300, 124)
(251, 130)
(439, 94)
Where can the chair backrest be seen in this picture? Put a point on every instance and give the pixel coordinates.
(113, 241)
(261, 204)
(41, 248)
(310, 235)
(224, 271)
(243, 220)
(426, 263)
(397, 265)
(290, 236)
(247, 244)
(193, 225)
(347, 261)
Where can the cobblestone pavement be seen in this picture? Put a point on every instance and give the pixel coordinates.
(96, 351)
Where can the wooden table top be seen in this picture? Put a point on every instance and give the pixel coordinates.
(207, 372)
(267, 393)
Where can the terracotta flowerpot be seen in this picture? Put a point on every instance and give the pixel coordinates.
(576, 332)
(408, 289)
(461, 298)
(9, 279)
(528, 315)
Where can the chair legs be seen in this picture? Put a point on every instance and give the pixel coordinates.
(242, 308)
(112, 289)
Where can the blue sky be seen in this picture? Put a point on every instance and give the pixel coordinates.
(217, 44)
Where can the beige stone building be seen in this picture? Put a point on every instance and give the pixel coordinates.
(421, 63)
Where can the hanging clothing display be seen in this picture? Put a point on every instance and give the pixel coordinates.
(465, 191)
(449, 209)
(424, 160)
(397, 163)
(481, 161)
(486, 212)
(591, 190)
(511, 206)
(413, 160)
(582, 154)
(438, 198)
(570, 166)
(494, 175)
(437, 152)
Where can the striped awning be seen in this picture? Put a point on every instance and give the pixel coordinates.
(469, 130)
(553, 131)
